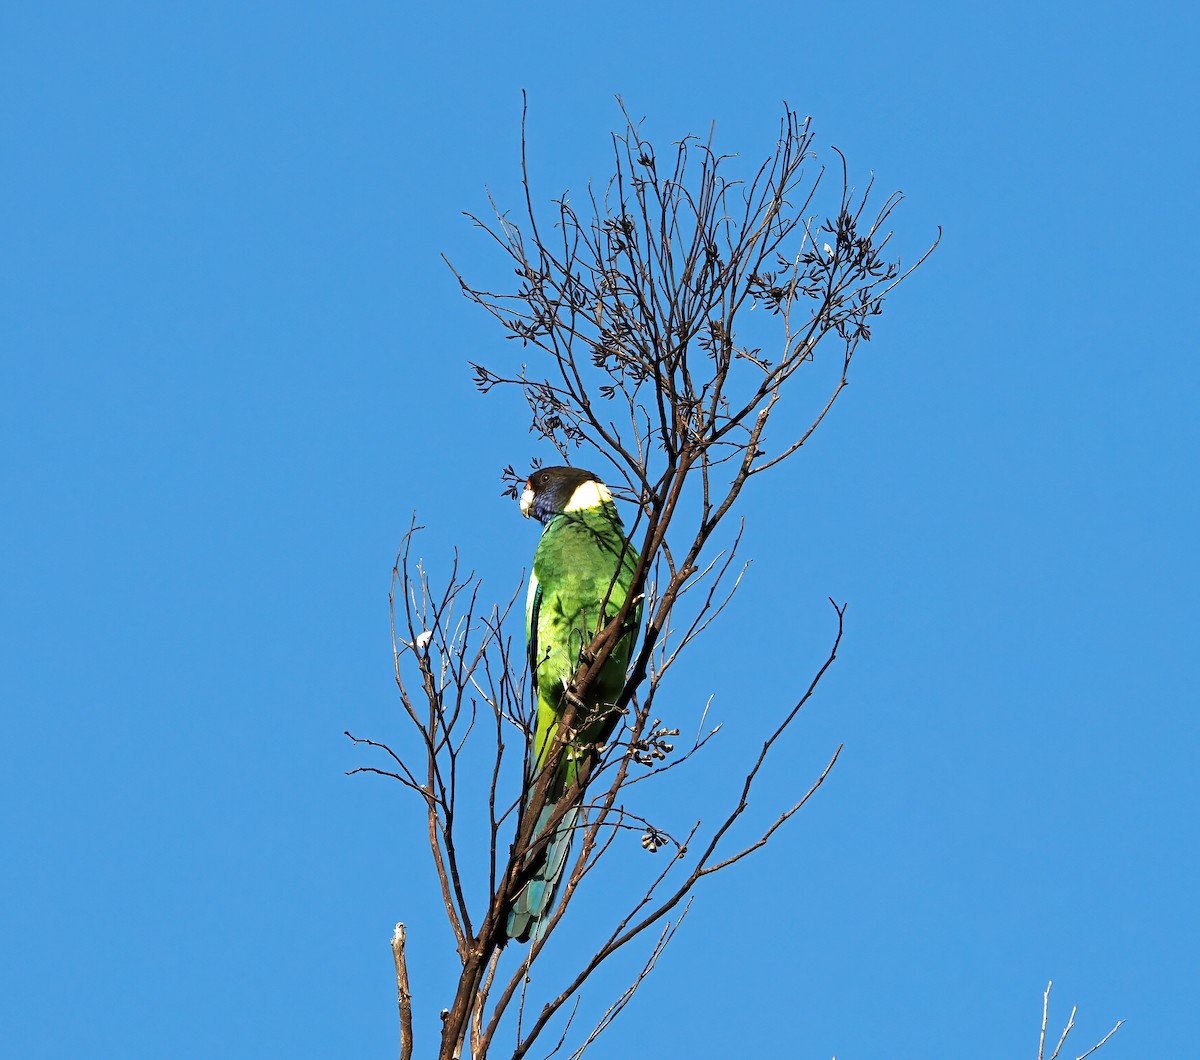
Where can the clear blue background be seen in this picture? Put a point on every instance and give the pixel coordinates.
(233, 364)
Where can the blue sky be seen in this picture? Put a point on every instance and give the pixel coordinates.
(234, 364)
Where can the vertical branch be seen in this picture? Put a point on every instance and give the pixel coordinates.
(478, 1047)
(403, 995)
(1045, 1019)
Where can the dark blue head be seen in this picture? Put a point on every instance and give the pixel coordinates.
(550, 491)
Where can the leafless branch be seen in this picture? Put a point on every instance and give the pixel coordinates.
(614, 1010)
(404, 997)
(1066, 1030)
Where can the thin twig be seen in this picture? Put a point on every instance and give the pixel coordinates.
(1102, 1041)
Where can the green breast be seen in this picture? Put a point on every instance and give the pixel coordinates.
(582, 572)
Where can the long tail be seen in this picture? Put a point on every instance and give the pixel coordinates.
(535, 900)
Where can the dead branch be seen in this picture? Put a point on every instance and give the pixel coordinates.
(1066, 1030)
(403, 996)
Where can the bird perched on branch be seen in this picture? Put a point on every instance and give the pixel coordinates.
(582, 573)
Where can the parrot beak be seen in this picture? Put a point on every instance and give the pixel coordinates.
(526, 499)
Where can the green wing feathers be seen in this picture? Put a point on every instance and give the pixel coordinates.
(582, 573)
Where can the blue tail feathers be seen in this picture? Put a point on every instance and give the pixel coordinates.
(534, 901)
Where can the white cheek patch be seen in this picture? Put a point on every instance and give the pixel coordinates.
(590, 494)
(526, 501)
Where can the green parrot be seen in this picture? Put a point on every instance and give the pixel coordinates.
(582, 572)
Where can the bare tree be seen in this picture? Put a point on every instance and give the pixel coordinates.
(663, 316)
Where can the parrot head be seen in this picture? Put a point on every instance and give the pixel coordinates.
(550, 491)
